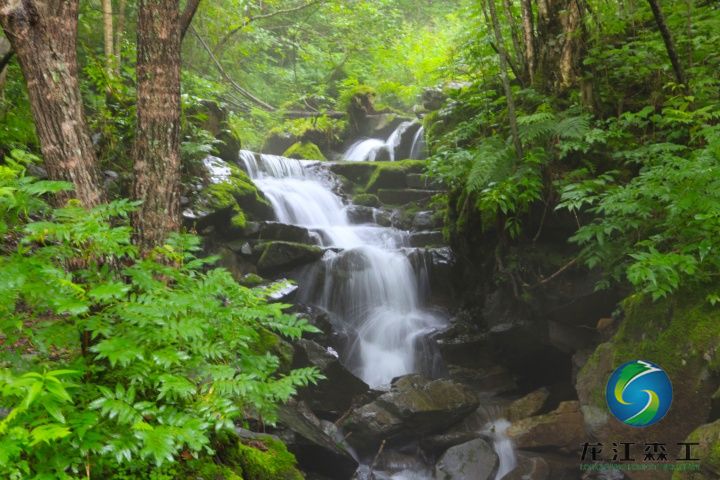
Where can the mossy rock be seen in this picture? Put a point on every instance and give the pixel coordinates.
(277, 256)
(708, 451)
(239, 196)
(251, 280)
(304, 151)
(682, 335)
(266, 459)
(367, 200)
(269, 342)
(393, 174)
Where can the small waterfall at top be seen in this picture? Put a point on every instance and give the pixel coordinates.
(367, 150)
(366, 281)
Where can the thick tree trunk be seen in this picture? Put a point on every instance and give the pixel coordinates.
(502, 54)
(529, 37)
(43, 36)
(669, 42)
(157, 141)
(108, 34)
(560, 41)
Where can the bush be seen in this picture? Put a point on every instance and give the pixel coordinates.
(110, 358)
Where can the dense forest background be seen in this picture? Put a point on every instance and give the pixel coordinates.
(574, 136)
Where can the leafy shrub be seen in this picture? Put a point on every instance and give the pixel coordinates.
(111, 358)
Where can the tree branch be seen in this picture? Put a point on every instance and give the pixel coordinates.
(231, 33)
(187, 16)
(227, 78)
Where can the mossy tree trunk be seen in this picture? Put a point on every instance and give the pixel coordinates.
(43, 36)
(560, 41)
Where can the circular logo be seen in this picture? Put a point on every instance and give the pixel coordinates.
(639, 393)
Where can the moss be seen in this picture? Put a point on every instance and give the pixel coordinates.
(269, 342)
(267, 459)
(251, 280)
(389, 174)
(235, 191)
(304, 151)
(708, 451)
(366, 199)
(671, 332)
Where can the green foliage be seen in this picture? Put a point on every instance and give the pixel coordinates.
(116, 361)
(268, 459)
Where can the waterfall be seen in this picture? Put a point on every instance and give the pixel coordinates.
(366, 281)
(503, 447)
(417, 151)
(367, 150)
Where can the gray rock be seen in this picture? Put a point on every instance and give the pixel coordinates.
(414, 406)
(313, 447)
(529, 468)
(425, 221)
(418, 180)
(333, 396)
(426, 239)
(474, 460)
(527, 406)
(360, 214)
(404, 196)
(277, 256)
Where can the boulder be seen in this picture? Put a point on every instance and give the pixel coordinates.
(278, 256)
(562, 429)
(708, 451)
(426, 220)
(333, 396)
(414, 406)
(367, 200)
(314, 447)
(426, 239)
(529, 468)
(278, 231)
(404, 196)
(527, 406)
(360, 214)
(475, 460)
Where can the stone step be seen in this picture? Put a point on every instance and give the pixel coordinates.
(426, 239)
(419, 181)
(404, 196)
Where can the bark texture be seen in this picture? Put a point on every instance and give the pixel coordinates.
(529, 37)
(43, 35)
(669, 42)
(157, 143)
(560, 39)
(108, 39)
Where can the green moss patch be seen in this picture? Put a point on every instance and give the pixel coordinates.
(237, 194)
(366, 200)
(304, 151)
(393, 174)
(266, 459)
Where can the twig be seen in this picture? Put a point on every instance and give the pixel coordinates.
(559, 272)
(225, 75)
(377, 455)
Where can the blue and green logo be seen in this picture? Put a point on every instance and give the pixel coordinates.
(639, 393)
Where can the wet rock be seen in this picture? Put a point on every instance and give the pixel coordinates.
(475, 460)
(529, 468)
(495, 380)
(426, 220)
(333, 396)
(314, 448)
(367, 200)
(527, 406)
(426, 239)
(278, 256)
(562, 429)
(387, 178)
(404, 196)
(708, 451)
(463, 344)
(360, 214)
(420, 181)
(277, 231)
(414, 406)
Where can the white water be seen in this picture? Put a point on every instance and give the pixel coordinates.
(417, 151)
(503, 447)
(367, 150)
(369, 285)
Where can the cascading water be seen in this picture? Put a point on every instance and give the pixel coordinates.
(418, 148)
(365, 281)
(503, 448)
(367, 150)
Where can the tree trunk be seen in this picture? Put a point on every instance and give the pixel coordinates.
(43, 36)
(529, 37)
(669, 42)
(186, 19)
(108, 34)
(157, 142)
(502, 54)
(514, 36)
(560, 40)
(120, 33)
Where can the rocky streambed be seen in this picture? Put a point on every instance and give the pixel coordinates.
(431, 369)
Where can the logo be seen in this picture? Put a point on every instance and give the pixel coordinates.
(639, 393)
